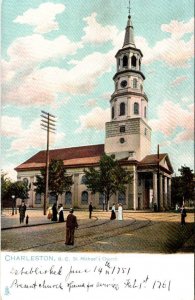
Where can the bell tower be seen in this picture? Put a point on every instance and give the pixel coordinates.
(128, 134)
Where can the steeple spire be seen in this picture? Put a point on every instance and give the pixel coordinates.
(129, 33)
(129, 7)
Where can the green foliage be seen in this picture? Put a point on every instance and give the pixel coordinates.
(8, 188)
(59, 181)
(187, 182)
(19, 189)
(109, 178)
(5, 184)
(182, 186)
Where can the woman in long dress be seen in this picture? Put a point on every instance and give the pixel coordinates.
(113, 213)
(61, 214)
(54, 212)
(120, 212)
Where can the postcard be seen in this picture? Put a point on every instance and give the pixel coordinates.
(97, 180)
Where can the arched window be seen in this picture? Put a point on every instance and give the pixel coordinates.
(83, 179)
(68, 198)
(121, 198)
(84, 197)
(119, 63)
(25, 180)
(52, 198)
(125, 61)
(136, 108)
(122, 109)
(134, 83)
(101, 198)
(113, 112)
(133, 61)
(145, 112)
(38, 198)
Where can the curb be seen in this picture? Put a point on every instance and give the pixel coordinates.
(32, 225)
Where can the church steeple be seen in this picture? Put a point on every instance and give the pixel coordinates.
(128, 134)
(129, 34)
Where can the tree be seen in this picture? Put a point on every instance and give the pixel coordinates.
(59, 181)
(109, 178)
(176, 190)
(187, 182)
(5, 184)
(11, 191)
(19, 189)
(182, 186)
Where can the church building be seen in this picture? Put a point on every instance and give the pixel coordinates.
(128, 139)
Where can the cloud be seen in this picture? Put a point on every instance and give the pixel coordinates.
(42, 18)
(41, 86)
(94, 120)
(90, 103)
(172, 117)
(28, 137)
(26, 81)
(107, 96)
(31, 50)
(174, 51)
(178, 80)
(186, 99)
(96, 33)
(178, 29)
(11, 126)
(10, 172)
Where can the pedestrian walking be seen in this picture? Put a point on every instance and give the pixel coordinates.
(183, 215)
(90, 209)
(54, 212)
(113, 212)
(71, 224)
(61, 214)
(120, 212)
(22, 211)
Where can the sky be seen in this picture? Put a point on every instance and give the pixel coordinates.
(59, 56)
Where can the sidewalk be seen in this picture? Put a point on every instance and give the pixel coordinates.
(36, 217)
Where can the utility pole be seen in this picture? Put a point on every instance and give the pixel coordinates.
(158, 179)
(48, 124)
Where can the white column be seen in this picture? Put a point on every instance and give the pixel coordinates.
(169, 192)
(135, 183)
(165, 192)
(128, 106)
(155, 188)
(161, 190)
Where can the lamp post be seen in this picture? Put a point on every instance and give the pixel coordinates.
(13, 204)
(48, 124)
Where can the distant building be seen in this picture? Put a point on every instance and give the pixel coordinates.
(128, 138)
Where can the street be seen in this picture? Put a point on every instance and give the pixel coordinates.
(138, 232)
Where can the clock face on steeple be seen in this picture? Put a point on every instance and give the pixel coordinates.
(124, 83)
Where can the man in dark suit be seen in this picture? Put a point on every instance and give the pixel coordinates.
(22, 211)
(90, 209)
(183, 215)
(71, 224)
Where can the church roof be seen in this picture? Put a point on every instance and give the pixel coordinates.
(85, 156)
(151, 160)
(72, 157)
